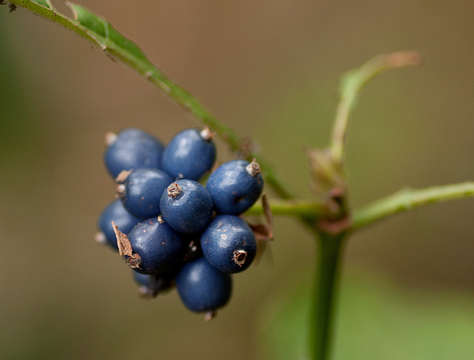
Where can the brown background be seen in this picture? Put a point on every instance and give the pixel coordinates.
(270, 70)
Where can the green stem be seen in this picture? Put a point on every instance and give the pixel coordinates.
(290, 208)
(99, 32)
(327, 274)
(352, 83)
(405, 200)
(401, 201)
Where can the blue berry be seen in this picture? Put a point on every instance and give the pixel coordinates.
(235, 186)
(190, 154)
(228, 244)
(156, 247)
(203, 288)
(186, 206)
(141, 191)
(142, 279)
(132, 149)
(151, 285)
(121, 217)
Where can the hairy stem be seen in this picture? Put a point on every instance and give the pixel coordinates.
(351, 85)
(132, 56)
(329, 255)
(405, 200)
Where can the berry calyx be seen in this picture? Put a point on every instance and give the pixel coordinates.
(253, 168)
(186, 206)
(229, 244)
(190, 154)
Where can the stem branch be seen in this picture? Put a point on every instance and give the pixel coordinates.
(405, 200)
(401, 201)
(351, 85)
(290, 208)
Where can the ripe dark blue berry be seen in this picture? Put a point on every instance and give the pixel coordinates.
(155, 247)
(190, 154)
(170, 229)
(152, 285)
(142, 279)
(186, 206)
(235, 186)
(132, 149)
(202, 287)
(141, 191)
(121, 217)
(228, 244)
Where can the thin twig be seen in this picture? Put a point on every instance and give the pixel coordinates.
(405, 200)
(351, 85)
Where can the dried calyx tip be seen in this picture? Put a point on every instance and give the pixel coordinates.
(122, 176)
(125, 248)
(100, 237)
(254, 168)
(120, 190)
(210, 315)
(110, 138)
(239, 257)
(134, 261)
(207, 134)
(174, 190)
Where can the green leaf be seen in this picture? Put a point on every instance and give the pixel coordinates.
(101, 29)
(376, 321)
(45, 3)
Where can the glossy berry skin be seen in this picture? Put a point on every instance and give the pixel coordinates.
(186, 206)
(133, 149)
(189, 155)
(141, 192)
(228, 244)
(142, 279)
(202, 287)
(121, 217)
(233, 188)
(159, 247)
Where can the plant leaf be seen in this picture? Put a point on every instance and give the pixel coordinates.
(45, 3)
(101, 29)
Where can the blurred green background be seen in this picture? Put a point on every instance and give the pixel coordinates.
(270, 70)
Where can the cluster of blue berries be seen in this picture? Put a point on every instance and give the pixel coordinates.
(171, 229)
